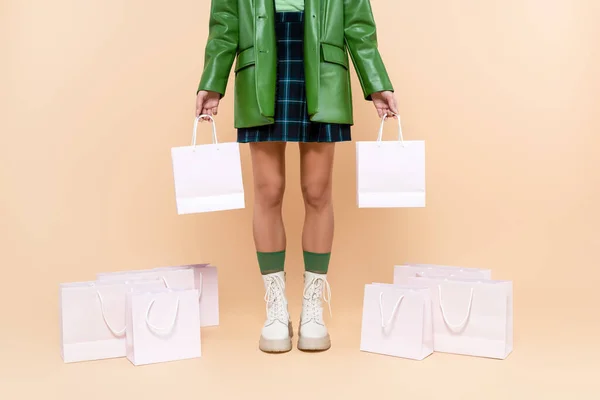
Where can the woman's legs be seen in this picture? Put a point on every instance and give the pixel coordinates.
(316, 166)
(268, 166)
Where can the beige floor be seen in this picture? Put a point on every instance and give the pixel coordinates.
(556, 356)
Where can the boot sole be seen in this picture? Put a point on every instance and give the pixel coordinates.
(277, 345)
(314, 344)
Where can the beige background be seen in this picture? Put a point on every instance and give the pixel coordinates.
(506, 95)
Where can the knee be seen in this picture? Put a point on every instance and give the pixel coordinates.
(270, 193)
(317, 194)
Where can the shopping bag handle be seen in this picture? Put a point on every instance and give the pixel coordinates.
(162, 278)
(380, 133)
(116, 332)
(162, 330)
(460, 326)
(435, 276)
(214, 128)
(200, 288)
(383, 323)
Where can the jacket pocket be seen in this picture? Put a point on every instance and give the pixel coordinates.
(335, 96)
(245, 59)
(334, 54)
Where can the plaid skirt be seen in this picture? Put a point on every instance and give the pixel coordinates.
(292, 123)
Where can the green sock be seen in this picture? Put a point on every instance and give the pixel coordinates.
(270, 263)
(317, 263)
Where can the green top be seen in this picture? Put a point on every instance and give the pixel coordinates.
(289, 5)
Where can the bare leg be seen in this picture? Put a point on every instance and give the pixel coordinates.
(316, 167)
(268, 167)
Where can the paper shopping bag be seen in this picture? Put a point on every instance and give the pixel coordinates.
(92, 318)
(202, 277)
(207, 177)
(162, 326)
(390, 173)
(403, 272)
(397, 321)
(471, 317)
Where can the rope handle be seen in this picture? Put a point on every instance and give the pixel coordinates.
(383, 323)
(162, 330)
(380, 133)
(422, 274)
(117, 332)
(460, 326)
(200, 288)
(214, 129)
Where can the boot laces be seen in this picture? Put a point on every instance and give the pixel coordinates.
(275, 300)
(316, 291)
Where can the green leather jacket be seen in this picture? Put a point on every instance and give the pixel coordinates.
(245, 29)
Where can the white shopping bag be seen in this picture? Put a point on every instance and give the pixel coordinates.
(403, 272)
(397, 321)
(390, 173)
(202, 277)
(162, 326)
(207, 177)
(471, 317)
(92, 318)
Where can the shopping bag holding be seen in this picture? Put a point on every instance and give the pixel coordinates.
(403, 272)
(390, 173)
(202, 277)
(471, 317)
(397, 321)
(92, 318)
(207, 177)
(162, 326)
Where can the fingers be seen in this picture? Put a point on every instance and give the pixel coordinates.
(206, 104)
(384, 111)
(388, 111)
(208, 111)
(393, 105)
(198, 108)
(200, 99)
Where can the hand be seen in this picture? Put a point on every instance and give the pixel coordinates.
(385, 103)
(207, 103)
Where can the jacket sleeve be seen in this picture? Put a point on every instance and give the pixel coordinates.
(221, 46)
(361, 39)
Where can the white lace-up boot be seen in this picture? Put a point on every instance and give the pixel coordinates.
(313, 335)
(276, 336)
